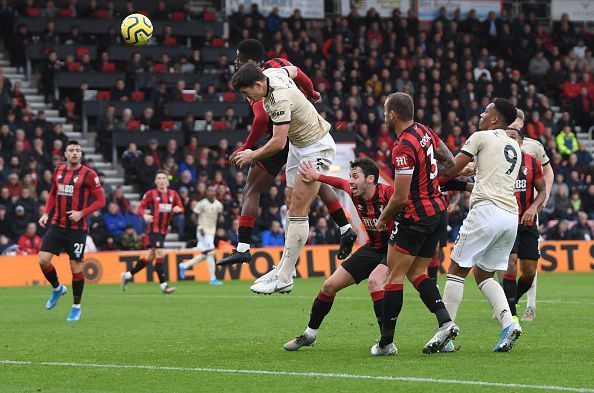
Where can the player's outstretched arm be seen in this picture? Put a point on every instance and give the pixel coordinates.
(445, 158)
(259, 126)
(460, 161)
(273, 146)
(311, 174)
(304, 83)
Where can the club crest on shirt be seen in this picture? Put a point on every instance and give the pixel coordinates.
(525, 171)
(75, 179)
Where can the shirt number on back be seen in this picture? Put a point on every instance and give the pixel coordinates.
(510, 155)
(431, 156)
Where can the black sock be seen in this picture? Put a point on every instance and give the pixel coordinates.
(337, 213)
(51, 275)
(320, 308)
(390, 311)
(378, 304)
(432, 298)
(432, 273)
(246, 227)
(160, 270)
(524, 285)
(140, 264)
(78, 284)
(511, 292)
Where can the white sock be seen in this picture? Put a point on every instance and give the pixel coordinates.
(296, 239)
(127, 276)
(193, 261)
(243, 247)
(76, 306)
(210, 261)
(311, 332)
(496, 297)
(531, 294)
(163, 285)
(452, 294)
(344, 228)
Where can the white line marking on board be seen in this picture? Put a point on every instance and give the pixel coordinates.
(301, 374)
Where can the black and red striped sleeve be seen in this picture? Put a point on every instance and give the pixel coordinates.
(146, 199)
(93, 185)
(51, 199)
(259, 125)
(336, 182)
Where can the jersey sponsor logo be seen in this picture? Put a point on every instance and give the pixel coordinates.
(65, 189)
(165, 207)
(525, 171)
(369, 223)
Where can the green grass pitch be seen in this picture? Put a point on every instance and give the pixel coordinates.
(192, 340)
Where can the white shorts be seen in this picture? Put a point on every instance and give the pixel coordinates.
(205, 243)
(486, 238)
(321, 154)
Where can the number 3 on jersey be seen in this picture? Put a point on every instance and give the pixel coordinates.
(431, 156)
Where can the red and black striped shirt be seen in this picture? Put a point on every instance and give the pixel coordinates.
(161, 204)
(72, 190)
(530, 172)
(414, 154)
(368, 210)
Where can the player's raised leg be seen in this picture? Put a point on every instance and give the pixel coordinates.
(50, 274)
(348, 236)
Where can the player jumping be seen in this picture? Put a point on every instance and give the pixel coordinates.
(417, 157)
(73, 185)
(163, 204)
(207, 210)
(488, 233)
(263, 171)
(369, 261)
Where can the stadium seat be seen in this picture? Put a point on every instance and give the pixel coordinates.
(65, 13)
(167, 125)
(81, 51)
(109, 67)
(103, 96)
(229, 96)
(74, 66)
(159, 68)
(145, 13)
(218, 42)
(189, 95)
(170, 41)
(134, 125)
(209, 16)
(219, 125)
(33, 12)
(102, 14)
(178, 15)
(340, 125)
(137, 96)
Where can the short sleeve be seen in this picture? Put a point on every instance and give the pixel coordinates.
(92, 181)
(472, 145)
(220, 208)
(280, 112)
(403, 159)
(198, 208)
(542, 155)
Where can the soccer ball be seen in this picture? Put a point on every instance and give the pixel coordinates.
(137, 29)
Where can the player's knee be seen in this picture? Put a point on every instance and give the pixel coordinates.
(44, 259)
(375, 284)
(329, 288)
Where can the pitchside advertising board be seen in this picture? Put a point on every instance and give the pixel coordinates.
(577, 10)
(314, 261)
(310, 9)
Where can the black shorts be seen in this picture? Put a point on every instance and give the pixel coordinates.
(156, 240)
(58, 239)
(362, 262)
(527, 244)
(417, 238)
(274, 164)
(443, 230)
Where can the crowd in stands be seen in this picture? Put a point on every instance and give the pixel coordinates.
(452, 69)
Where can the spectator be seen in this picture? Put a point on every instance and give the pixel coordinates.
(588, 201)
(19, 223)
(188, 165)
(583, 108)
(98, 229)
(120, 92)
(147, 121)
(130, 240)
(146, 173)
(582, 230)
(131, 159)
(106, 124)
(119, 198)
(134, 220)
(5, 223)
(559, 231)
(567, 142)
(274, 236)
(322, 234)
(30, 241)
(14, 186)
(114, 220)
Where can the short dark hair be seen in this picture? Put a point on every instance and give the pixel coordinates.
(161, 172)
(72, 142)
(368, 167)
(251, 49)
(402, 104)
(247, 76)
(506, 110)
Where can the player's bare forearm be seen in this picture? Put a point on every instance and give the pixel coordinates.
(395, 204)
(275, 144)
(460, 161)
(541, 197)
(445, 158)
(549, 177)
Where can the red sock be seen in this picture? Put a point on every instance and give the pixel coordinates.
(246, 227)
(51, 275)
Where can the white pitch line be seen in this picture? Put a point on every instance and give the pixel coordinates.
(302, 374)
